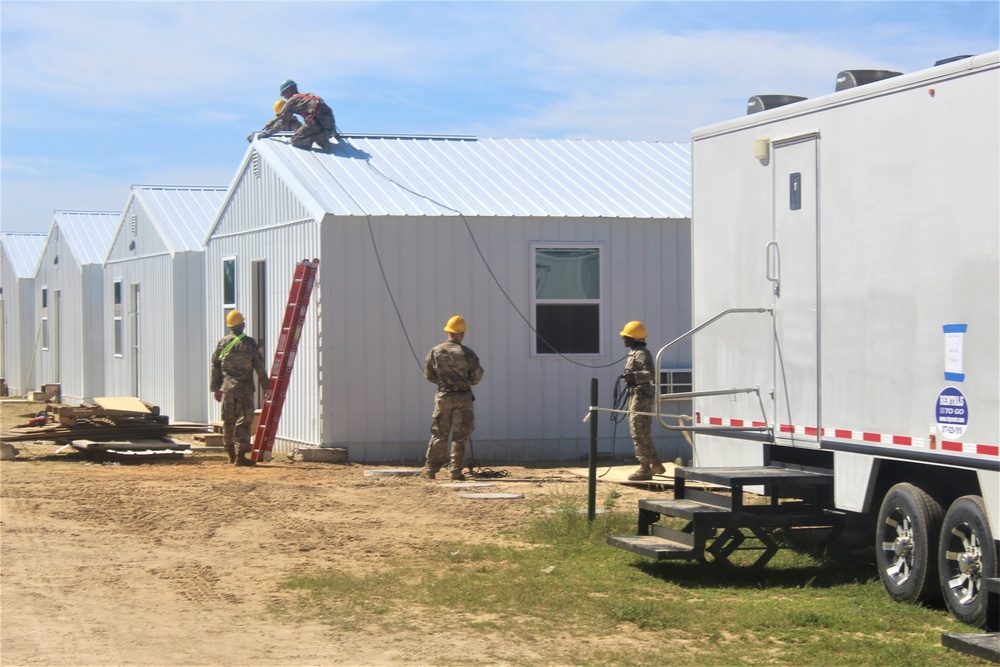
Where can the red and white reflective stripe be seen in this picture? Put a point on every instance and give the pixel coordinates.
(861, 436)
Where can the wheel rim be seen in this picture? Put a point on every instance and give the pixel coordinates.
(898, 545)
(963, 560)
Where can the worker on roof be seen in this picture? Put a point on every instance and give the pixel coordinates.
(638, 377)
(317, 117)
(236, 358)
(454, 368)
(278, 124)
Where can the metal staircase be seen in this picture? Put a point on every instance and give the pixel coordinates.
(719, 523)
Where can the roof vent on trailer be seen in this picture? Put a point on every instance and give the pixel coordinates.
(852, 78)
(765, 102)
(951, 60)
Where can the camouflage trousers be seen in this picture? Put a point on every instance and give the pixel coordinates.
(453, 417)
(237, 417)
(310, 132)
(641, 426)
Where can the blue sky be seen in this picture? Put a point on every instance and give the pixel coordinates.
(98, 96)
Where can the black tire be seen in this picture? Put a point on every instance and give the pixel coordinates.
(967, 555)
(906, 538)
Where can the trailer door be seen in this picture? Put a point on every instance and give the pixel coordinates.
(792, 268)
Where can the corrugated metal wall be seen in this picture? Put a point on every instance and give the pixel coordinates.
(62, 360)
(191, 346)
(260, 199)
(17, 283)
(376, 401)
(170, 320)
(280, 248)
(281, 239)
(158, 251)
(70, 270)
(152, 317)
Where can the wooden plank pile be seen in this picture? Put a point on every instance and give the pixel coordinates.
(107, 420)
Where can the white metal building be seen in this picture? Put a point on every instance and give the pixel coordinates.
(69, 288)
(571, 238)
(18, 261)
(154, 299)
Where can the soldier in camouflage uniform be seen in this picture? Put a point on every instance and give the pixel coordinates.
(638, 376)
(234, 361)
(317, 116)
(278, 123)
(454, 368)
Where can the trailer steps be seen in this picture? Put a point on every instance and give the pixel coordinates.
(985, 645)
(719, 522)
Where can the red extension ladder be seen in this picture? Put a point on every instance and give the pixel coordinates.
(284, 358)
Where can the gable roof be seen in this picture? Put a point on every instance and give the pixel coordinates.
(87, 233)
(23, 252)
(181, 215)
(434, 176)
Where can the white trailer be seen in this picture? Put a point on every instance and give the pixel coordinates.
(845, 301)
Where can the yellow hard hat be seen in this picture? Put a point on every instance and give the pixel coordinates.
(279, 106)
(234, 318)
(634, 329)
(455, 325)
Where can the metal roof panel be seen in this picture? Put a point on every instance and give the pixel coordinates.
(182, 215)
(432, 176)
(88, 233)
(23, 252)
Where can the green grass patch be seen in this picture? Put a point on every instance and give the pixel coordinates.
(560, 579)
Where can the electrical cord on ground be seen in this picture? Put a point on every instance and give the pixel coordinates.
(482, 473)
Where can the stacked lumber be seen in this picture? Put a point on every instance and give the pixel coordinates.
(107, 419)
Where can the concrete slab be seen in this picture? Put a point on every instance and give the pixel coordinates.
(490, 496)
(393, 472)
(466, 485)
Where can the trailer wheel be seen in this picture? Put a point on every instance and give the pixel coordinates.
(966, 557)
(909, 524)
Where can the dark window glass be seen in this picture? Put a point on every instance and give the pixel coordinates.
(568, 329)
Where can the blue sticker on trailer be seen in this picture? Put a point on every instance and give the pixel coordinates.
(952, 412)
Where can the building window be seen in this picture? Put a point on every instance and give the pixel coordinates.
(567, 299)
(118, 318)
(228, 285)
(45, 319)
(676, 381)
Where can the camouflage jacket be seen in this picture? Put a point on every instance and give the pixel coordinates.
(235, 368)
(311, 108)
(453, 367)
(280, 124)
(640, 362)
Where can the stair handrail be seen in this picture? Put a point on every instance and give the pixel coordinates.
(692, 394)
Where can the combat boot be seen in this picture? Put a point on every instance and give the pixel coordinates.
(457, 476)
(642, 474)
(231, 452)
(427, 473)
(656, 467)
(242, 460)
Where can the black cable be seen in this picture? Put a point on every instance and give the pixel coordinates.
(482, 473)
(619, 402)
(385, 280)
(488, 268)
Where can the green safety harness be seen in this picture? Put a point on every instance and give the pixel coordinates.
(232, 343)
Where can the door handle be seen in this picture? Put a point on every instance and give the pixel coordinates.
(774, 266)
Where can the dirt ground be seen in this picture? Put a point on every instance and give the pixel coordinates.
(176, 563)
